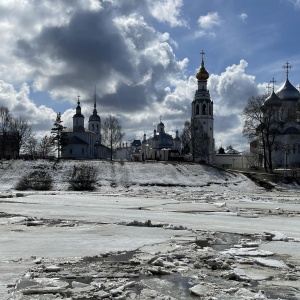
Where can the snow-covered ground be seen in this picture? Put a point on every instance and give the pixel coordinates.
(171, 207)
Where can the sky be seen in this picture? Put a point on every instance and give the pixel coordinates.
(142, 57)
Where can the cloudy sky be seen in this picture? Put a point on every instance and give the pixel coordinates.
(142, 56)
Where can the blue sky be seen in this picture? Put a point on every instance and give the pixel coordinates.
(142, 56)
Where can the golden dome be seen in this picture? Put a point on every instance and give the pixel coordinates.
(202, 74)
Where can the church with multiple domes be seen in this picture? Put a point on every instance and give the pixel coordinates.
(285, 107)
(162, 146)
(85, 143)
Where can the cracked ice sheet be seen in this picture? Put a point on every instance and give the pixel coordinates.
(78, 241)
(83, 240)
(107, 209)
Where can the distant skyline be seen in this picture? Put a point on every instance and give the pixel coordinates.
(142, 56)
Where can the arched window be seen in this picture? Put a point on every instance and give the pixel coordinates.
(97, 127)
(204, 109)
(93, 127)
(197, 109)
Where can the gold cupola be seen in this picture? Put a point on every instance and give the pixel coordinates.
(202, 74)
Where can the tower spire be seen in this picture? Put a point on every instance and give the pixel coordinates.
(287, 66)
(95, 105)
(95, 98)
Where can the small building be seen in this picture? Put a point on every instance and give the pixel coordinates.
(231, 159)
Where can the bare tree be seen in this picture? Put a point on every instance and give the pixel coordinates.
(45, 147)
(260, 123)
(112, 134)
(20, 128)
(31, 147)
(186, 137)
(5, 120)
(195, 140)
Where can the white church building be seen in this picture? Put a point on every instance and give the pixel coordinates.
(85, 143)
(285, 103)
(161, 146)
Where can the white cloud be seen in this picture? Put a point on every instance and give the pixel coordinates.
(209, 21)
(230, 92)
(296, 3)
(243, 17)
(20, 105)
(55, 51)
(232, 88)
(167, 11)
(201, 33)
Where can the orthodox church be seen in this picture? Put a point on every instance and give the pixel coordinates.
(285, 105)
(202, 119)
(162, 146)
(85, 143)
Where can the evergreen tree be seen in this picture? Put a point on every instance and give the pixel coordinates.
(60, 138)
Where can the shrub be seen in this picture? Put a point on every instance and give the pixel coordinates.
(83, 178)
(39, 180)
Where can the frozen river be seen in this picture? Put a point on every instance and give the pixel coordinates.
(179, 211)
(68, 224)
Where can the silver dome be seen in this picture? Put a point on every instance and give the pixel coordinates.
(273, 100)
(287, 92)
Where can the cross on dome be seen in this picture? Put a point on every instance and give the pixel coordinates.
(268, 87)
(273, 81)
(202, 53)
(78, 97)
(287, 66)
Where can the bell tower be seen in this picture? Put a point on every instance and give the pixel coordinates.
(78, 119)
(95, 121)
(202, 119)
